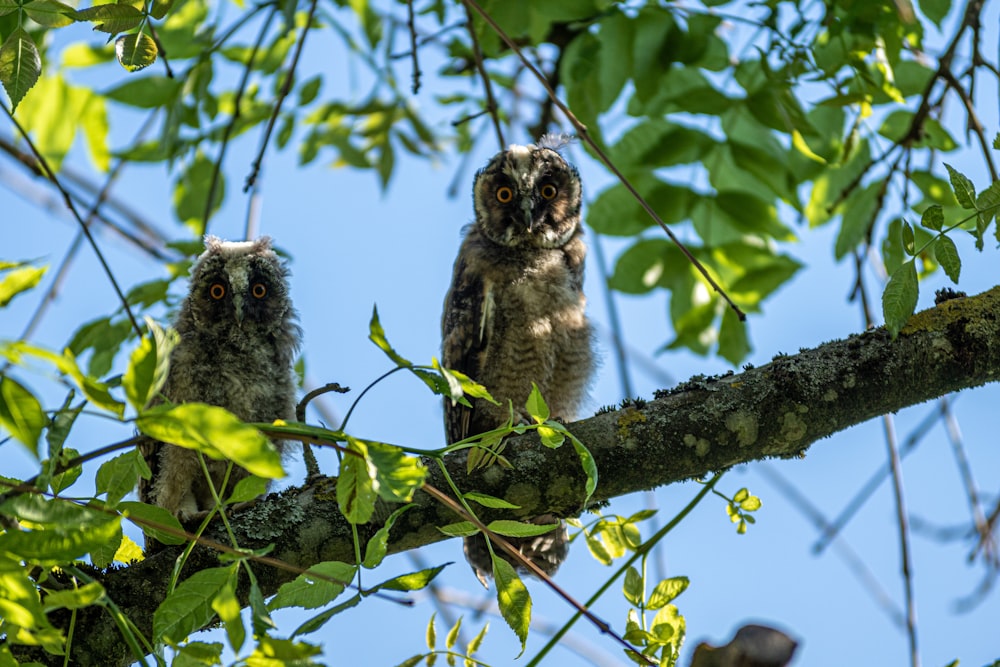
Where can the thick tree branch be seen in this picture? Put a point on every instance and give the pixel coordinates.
(703, 425)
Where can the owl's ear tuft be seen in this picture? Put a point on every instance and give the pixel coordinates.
(555, 141)
(213, 243)
(261, 245)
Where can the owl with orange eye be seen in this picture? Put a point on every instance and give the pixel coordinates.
(238, 340)
(515, 313)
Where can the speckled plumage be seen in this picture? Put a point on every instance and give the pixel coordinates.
(515, 311)
(238, 340)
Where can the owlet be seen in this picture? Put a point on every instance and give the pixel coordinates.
(238, 340)
(515, 311)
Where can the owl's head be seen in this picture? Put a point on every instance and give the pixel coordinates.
(528, 196)
(238, 288)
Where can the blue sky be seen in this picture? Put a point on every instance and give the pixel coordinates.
(354, 246)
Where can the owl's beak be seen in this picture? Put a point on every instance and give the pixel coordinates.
(238, 308)
(526, 209)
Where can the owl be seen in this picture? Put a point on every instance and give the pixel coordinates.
(514, 313)
(238, 340)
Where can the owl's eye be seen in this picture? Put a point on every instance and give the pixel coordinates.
(217, 291)
(504, 194)
(258, 290)
(549, 191)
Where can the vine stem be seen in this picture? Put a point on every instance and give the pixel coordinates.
(639, 553)
(581, 610)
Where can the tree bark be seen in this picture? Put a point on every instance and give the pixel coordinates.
(705, 424)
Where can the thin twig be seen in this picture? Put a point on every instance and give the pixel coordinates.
(477, 54)
(973, 120)
(312, 465)
(873, 483)
(855, 564)
(965, 471)
(286, 88)
(76, 214)
(411, 24)
(162, 52)
(902, 522)
(584, 135)
(231, 125)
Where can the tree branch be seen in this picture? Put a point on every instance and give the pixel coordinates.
(703, 425)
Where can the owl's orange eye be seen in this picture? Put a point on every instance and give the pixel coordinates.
(258, 291)
(549, 191)
(504, 194)
(217, 291)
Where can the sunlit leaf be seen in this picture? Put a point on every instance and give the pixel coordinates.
(900, 297)
(21, 414)
(215, 432)
(18, 281)
(189, 606)
(20, 65)
(513, 599)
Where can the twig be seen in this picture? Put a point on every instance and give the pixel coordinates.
(162, 52)
(965, 471)
(217, 168)
(869, 487)
(286, 87)
(312, 465)
(904, 538)
(973, 120)
(410, 23)
(477, 54)
(76, 214)
(427, 39)
(855, 564)
(584, 135)
(601, 625)
(639, 552)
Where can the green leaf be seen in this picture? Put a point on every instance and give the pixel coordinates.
(734, 345)
(189, 606)
(49, 13)
(860, 209)
(118, 476)
(192, 190)
(197, 654)
(310, 591)
(20, 65)
(452, 636)
(536, 405)
(74, 598)
(414, 581)
(61, 531)
(900, 297)
(964, 191)
(20, 281)
(513, 599)
(589, 466)
(632, 587)
(935, 10)
(149, 365)
(378, 545)
(551, 437)
(215, 432)
(648, 264)
(666, 591)
(356, 492)
(459, 529)
(148, 92)
(111, 18)
(246, 489)
(947, 256)
(319, 620)
(489, 501)
(509, 528)
(431, 633)
(933, 217)
(21, 414)
(377, 335)
(397, 475)
(152, 514)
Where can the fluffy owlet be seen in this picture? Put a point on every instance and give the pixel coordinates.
(238, 339)
(515, 311)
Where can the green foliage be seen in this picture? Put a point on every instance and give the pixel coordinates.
(825, 119)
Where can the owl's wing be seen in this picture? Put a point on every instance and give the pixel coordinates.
(466, 325)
